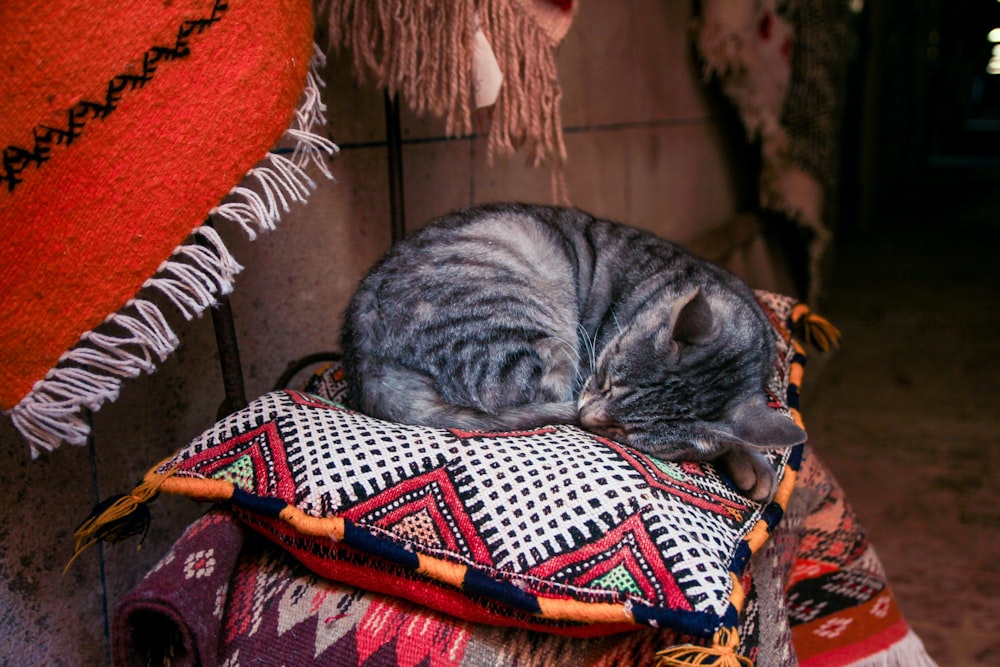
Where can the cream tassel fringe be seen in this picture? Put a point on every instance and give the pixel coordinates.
(908, 652)
(132, 340)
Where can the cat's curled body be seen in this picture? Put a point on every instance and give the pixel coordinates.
(514, 316)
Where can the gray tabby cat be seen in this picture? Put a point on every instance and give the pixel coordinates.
(513, 316)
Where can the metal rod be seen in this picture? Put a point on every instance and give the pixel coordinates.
(229, 357)
(222, 313)
(229, 354)
(394, 148)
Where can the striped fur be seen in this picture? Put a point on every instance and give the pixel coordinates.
(513, 316)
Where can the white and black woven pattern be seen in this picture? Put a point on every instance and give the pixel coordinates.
(533, 507)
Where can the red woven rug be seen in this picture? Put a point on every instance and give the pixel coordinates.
(125, 125)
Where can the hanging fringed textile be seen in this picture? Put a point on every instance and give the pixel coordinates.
(782, 67)
(423, 50)
(125, 125)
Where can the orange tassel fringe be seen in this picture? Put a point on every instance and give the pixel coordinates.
(119, 517)
(815, 329)
(721, 653)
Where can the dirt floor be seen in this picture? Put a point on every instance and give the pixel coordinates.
(906, 412)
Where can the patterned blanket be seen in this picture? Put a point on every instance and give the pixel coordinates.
(817, 596)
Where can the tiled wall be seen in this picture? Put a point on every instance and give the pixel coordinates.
(643, 147)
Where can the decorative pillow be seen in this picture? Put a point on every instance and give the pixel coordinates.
(552, 529)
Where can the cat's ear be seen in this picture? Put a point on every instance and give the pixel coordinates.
(755, 423)
(691, 321)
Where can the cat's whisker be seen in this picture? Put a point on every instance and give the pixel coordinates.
(584, 340)
(618, 324)
(570, 347)
(590, 343)
(573, 352)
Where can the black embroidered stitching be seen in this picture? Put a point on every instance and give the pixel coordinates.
(17, 158)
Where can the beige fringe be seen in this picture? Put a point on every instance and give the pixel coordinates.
(422, 50)
(527, 111)
(528, 108)
(908, 652)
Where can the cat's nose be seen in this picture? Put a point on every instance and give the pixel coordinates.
(596, 419)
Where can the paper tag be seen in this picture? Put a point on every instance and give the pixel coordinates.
(486, 75)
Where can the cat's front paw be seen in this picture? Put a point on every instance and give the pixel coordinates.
(751, 473)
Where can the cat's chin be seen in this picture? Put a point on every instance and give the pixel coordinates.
(615, 433)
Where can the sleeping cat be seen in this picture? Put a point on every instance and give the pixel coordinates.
(514, 316)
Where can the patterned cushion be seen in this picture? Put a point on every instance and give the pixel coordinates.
(553, 529)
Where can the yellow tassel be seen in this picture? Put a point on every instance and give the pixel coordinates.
(722, 653)
(815, 329)
(120, 516)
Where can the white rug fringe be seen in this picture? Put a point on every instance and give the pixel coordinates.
(282, 179)
(908, 652)
(132, 340)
